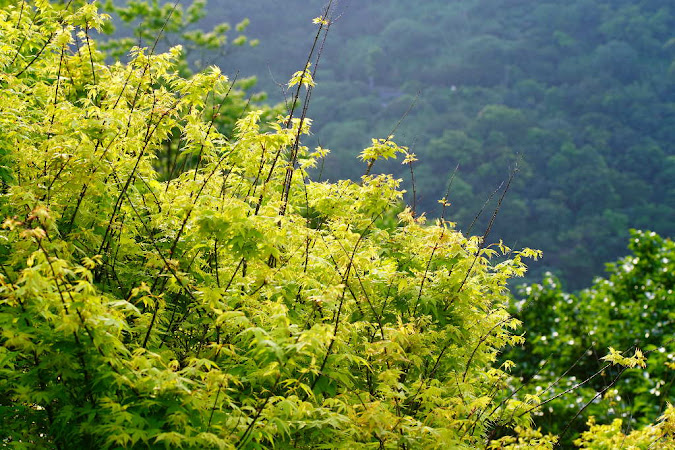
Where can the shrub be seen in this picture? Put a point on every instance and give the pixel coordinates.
(238, 304)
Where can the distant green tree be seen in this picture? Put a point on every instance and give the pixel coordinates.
(567, 334)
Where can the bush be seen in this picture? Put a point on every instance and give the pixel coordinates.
(238, 304)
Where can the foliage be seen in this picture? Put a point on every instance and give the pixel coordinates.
(632, 310)
(177, 23)
(612, 436)
(237, 304)
(164, 24)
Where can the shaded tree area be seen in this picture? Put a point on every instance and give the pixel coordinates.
(567, 334)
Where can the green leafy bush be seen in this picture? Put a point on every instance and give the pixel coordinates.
(238, 304)
(567, 334)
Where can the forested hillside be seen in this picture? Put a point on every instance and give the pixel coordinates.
(581, 94)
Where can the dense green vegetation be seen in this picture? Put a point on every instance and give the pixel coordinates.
(582, 90)
(567, 334)
(237, 305)
(172, 276)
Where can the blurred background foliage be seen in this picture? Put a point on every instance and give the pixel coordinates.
(567, 334)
